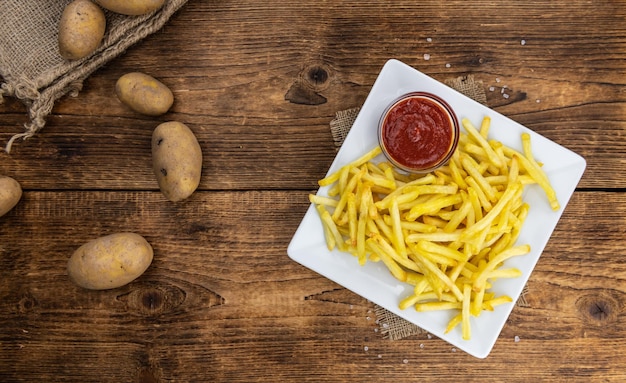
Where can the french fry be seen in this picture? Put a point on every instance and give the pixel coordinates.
(475, 134)
(433, 206)
(465, 312)
(332, 178)
(398, 272)
(321, 200)
(361, 225)
(447, 233)
(539, 176)
(396, 227)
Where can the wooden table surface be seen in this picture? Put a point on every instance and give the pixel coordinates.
(258, 83)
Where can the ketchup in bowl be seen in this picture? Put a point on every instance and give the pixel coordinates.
(418, 132)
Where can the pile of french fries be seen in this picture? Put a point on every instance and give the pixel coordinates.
(447, 233)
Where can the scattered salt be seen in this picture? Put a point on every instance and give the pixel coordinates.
(497, 79)
(380, 356)
(421, 345)
(368, 318)
(448, 65)
(405, 361)
(430, 40)
(426, 56)
(516, 338)
(505, 95)
(538, 101)
(523, 42)
(492, 88)
(366, 348)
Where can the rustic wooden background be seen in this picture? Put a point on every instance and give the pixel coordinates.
(259, 82)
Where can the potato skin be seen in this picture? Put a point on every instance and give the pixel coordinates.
(176, 160)
(81, 29)
(131, 7)
(10, 194)
(144, 94)
(109, 262)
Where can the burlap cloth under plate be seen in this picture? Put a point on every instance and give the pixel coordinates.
(392, 326)
(31, 68)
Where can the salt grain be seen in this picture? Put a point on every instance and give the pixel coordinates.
(368, 318)
(426, 56)
(366, 348)
(429, 336)
(497, 79)
(448, 65)
(523, 42)
(453, 349)
(505, 95)
(516, 338)
(385, 325)
(492, 88)
(538, 101)
(405, 361)
(380, 356)
(421, 345)
(430, 40)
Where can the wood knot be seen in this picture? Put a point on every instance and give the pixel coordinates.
(26, 303)
(475, 61)
(306, 89)
(317, 75)
(153, 300)
(598, 308)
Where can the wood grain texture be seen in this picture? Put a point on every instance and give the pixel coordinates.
(259, 83)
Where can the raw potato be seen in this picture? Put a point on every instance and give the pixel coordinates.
(110, 261)
(176, 160)
(10, 194)
(81, 29)
(131, 7)
(144, 94)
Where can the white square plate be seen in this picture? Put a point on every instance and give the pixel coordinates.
(373, 281)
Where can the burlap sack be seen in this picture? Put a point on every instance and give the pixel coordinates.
(31, 68)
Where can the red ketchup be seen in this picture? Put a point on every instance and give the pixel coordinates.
(418, 132)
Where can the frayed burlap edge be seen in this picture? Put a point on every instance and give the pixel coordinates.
(39, 96)
(392, 326)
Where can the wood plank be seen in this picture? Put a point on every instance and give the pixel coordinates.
(241, 114)
(223, 292)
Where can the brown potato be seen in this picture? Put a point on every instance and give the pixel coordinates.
(176, 160)
(109, 262)
(144, 94)
(131, 7)
(81, 29)
(10, 194)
